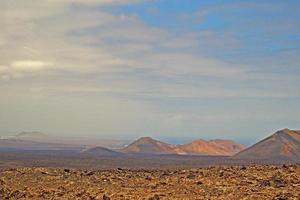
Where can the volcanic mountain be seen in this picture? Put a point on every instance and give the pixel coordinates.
(147, 145)
(282, 145)
(100, 151)
(211, 147)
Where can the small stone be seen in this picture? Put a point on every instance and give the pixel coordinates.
(264, 183)
(191, 176)
(155, 197)
(284, 166)
(199, 183)
(105, 197)
(90, 173)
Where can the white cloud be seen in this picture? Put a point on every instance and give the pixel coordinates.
(29, 65)
(23, 68)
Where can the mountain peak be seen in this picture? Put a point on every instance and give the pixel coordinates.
(283, 144)
(146, 138)
(100, 151)
(199, 140)
(148, 145)
(284, 131)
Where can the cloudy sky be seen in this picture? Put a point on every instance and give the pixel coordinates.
(175, 70)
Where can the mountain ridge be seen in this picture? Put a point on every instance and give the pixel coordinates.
(148, 145)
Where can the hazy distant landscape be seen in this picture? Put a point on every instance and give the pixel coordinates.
(282, 147)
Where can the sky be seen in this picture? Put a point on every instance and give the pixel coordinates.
(171, 69)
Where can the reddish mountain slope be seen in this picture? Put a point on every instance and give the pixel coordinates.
(284, 144)
(147, 145)
(211, 147)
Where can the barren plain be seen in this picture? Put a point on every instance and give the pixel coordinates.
(217, 182)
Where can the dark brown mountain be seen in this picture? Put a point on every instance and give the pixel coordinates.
(282, 145)
(147, 145)
(100, 151)
(211, 147)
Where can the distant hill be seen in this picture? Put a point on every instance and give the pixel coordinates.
(38, 136)
(211, 147)
(32, 136)
(147, 145)
(17, 144)
(282, 145)
(100, 151)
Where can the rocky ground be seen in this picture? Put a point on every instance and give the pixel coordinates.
(230, 183)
